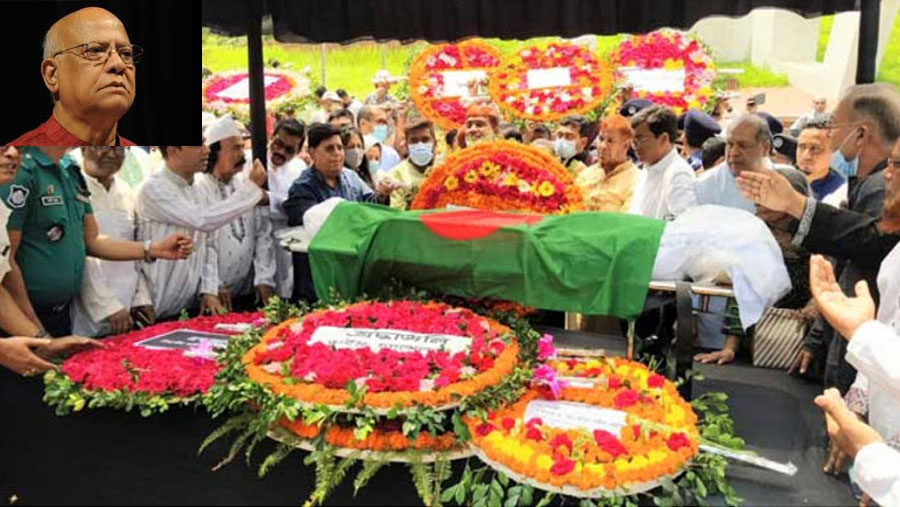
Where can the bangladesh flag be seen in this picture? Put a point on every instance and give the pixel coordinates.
(592, 263)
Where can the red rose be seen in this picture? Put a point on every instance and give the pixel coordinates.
(625, 398)
(484, 429)
(508, 423)
(534, 434)
(609, 443)
(561, 439)
(614, 382)
(655, 380)
(677, 441)
(562, 467)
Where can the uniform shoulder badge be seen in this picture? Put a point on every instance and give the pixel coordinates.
(18, 196)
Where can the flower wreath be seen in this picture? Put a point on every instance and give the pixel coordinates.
(125, 375)
(670, 50)
(548, 82)
(427, 79)
(228, 92)
(501, 176)
(657, 439)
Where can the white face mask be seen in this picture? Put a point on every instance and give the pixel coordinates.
(564, 149)
(353, 157)
(421, 154)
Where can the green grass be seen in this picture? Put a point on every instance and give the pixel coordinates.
(889, 71)
(753, 76)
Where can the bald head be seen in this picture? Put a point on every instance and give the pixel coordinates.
(877, 104)
(758, 125)
(76, 28)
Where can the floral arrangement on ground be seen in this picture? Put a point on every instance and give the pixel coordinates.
(127, 374)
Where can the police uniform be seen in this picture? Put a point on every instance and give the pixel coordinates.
(631, 107)
(698, 127)
(48, 203)
(4, 241)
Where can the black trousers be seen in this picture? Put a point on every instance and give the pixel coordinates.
(57, 320)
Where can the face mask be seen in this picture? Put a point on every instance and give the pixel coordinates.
(380, 133)
(421, 154)
(353, 157)
(374, 165)
(564, 149)
(840, 164)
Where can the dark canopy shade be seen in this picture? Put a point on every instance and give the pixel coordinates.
(447, 20)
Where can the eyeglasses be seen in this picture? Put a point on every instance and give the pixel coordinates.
(894, 164)
(100, 52)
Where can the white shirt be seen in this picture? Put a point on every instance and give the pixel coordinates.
(166, 204)
(665, 189)
(877, 471)
(4, 240)
(109, 286)
(389, 158)
(717, 186)
(879, 391)
(245, 246)
(280, 180)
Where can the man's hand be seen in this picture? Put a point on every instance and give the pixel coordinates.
(17, 354)
(211, 305)
(68, 345)
(225, 298)
(801, 362)
(120, 322)
(845, 314)
(723, 356)
(258, 174)
(384, 186)
(175, 246)
(144, 315)
(847, 432)
(771, 190)
(263, 293)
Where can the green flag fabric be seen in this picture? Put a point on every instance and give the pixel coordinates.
(592, 263)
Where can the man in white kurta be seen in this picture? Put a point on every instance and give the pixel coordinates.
(110, 290)
(169, 201)
(246, 255)
(665, 186)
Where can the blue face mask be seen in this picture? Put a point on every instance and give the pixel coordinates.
(380, 133)
(421, 154)
(564, 149)
(374, 165)
(840, 164)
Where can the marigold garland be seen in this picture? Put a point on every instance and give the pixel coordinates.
(590, 81)
(426, 78)
(659, 438)
(493, 356)
(501, 176)
(671, 50)
(379, 440)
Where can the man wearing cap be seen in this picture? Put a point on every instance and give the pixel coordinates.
(698, 127)
(330, 102)
(482, 124)
(245, 247)
(170, 201)
(633, 106)
(89, 69)
(52, 229)
(381, 96)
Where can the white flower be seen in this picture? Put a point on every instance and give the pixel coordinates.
(587, 91)
(524, 187)
(426, 384)
(310, 377)
(467, 371)
(272, 368)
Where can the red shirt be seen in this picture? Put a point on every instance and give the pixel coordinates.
(51, 133)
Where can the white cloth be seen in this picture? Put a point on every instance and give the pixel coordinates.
(838, 197)
(876, 391)
(166, 204)
(109, 286)
(4, 240)
(389, 159)
(665, 189)
(874, 351)
(717, 186)
(245, 245)
(354, 108)
(705, 241)
(877, 471)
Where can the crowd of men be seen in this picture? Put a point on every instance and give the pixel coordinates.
(104, 239)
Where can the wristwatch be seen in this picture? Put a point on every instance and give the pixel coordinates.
(147, 258)
(41, 334)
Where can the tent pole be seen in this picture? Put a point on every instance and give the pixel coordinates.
(867, 53)
(257, 88)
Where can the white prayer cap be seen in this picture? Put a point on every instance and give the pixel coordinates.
(383, 76)
(223, 128)
(207, 119)
(369, 141)
(331, 96)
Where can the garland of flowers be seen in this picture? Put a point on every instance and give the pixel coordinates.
(426, 78)
(285, 87)
(316, 373)
(405, 433)
(126, 376)
(590, 80)
(659, 436)
(502, 176)
(671, 50)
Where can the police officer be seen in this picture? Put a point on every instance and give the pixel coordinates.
(51, 230)
(698, 127)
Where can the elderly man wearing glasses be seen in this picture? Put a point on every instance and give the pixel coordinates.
(89, 68)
